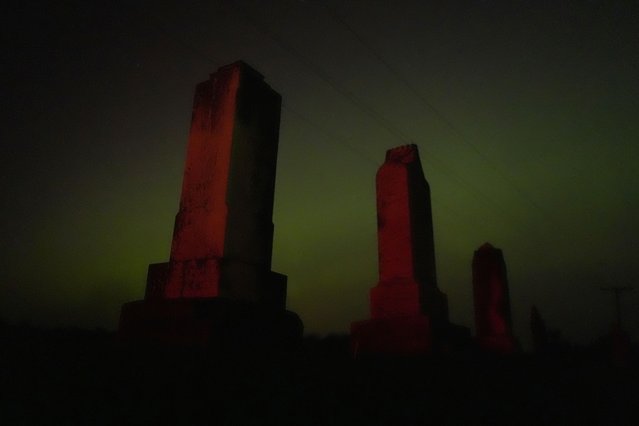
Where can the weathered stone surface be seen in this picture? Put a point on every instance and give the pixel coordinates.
(409, 313)
(493, 321)
(223, 234)
(407, 273)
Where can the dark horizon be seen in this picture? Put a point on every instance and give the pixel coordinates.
(526, 117)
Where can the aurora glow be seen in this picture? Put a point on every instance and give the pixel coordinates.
(542, 158)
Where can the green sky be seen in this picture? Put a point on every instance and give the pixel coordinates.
(526, 115)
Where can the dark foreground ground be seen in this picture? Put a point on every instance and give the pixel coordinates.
(75, 377)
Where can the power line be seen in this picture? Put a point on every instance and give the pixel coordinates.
(341, 142)
(330, 135)
(201, 56)
(350, 96)
(428, 105)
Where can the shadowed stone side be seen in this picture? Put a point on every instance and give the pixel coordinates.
(493, 322)
(223, 235)
(407, 274)
(220, 263)
(409, 314)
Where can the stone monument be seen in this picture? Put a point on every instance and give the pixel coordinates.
(493, 321)
(409, 314)
(218, 278)
(538, 331)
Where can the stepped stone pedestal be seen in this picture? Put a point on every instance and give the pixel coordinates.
(218, 280)
(409, 314)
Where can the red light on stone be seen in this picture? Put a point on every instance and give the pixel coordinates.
(493, 321)
(218, 280)
(406, 303)
(223, 234)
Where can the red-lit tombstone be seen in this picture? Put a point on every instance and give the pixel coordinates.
(219, 274)
(408, 312)
(492, 303)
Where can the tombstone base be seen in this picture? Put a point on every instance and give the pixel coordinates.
(215, 322)
(392, 336)
(407, 336)
(499, 344)
(211, 277)
(402, 298)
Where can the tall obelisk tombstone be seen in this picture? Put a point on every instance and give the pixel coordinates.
(407, 307)
(493, 321)
(406, 248)
(223, 232)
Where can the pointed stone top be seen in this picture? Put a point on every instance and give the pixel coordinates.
(486, 246)
(403, 154)
(243, 66)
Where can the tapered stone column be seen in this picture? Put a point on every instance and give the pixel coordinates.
(493, 321)
(223, 234)
(406, 249)
(408, 311)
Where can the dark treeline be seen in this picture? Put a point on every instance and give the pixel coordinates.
(81, 377)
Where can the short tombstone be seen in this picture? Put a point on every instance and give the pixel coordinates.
(408, 311)
(493, 323)
(538, 331)
(218, 283)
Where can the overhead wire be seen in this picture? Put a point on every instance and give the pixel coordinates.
(377, 117)
(331, 137)
(428, 105)
(201, 56)
(338, 141)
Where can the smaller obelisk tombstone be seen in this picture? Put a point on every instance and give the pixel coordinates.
(538, 331)
(218, 281)
(493, 323)
(407, 307)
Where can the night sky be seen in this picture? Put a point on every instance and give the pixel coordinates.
(526, 114)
